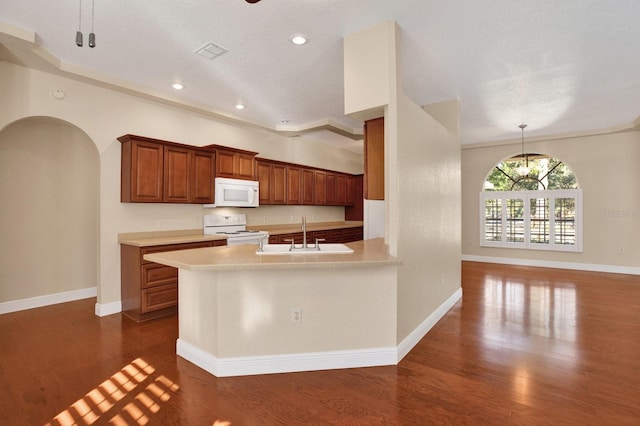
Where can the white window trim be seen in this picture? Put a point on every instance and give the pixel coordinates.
(526, 196)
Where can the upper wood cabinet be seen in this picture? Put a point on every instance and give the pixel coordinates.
(142, 170)
(177, 167)
(294, 184)
(320, 177)
(374, 159)
(308, 186)
(202, 175)
(272, 177)
(351, 191)
(331, 189)
(155, 171)
(234, 163)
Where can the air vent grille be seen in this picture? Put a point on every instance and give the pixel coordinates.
(210, 51)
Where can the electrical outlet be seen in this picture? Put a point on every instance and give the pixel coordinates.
(620, 251)
(161, 224)
(296, 315)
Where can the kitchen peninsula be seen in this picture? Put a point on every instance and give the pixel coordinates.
(241, 313)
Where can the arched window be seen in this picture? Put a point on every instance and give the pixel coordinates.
(531, 201)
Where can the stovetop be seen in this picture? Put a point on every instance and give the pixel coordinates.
(229, 224)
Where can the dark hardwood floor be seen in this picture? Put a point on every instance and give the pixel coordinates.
(525, 346)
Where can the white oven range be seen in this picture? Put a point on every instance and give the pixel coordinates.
(234, 227)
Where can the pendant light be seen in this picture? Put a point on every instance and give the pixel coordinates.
(92, 36)
(79, 32)
(523, 170)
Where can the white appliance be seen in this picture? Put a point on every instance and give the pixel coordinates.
(235, 193)
(234, 227)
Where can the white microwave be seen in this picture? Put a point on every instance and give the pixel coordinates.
(235, 193)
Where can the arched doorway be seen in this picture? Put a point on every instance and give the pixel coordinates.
(49, 221)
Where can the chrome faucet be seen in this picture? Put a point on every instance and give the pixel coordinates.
(304, 231)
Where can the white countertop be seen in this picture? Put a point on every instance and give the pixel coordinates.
(365, 253)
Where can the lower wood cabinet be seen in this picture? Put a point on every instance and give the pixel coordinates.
(150, 290)
(341, 235)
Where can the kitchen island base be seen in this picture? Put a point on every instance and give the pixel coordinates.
(240, 322)
(236, 309)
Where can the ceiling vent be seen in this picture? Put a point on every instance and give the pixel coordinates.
(211, 51)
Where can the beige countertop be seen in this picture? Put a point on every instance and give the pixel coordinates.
(289, 228)
(242, 257)
(161, 238)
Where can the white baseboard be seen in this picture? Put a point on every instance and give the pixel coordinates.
(104, 309)
(416, 335)
(46, 300)
(286, 363)
(613, 269)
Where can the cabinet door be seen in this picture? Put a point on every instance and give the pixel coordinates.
(351, 191)
(202, 175)
(224, 163)
(263, 175)
(331, 189)
(278, 194)
(243, 167)
(294, 185)
(177, 165)
(374, 159)
(321, 187)
(341, 189)
(308, 186)
(146, 177)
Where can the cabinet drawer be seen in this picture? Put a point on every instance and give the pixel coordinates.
(154, 274)
(159, 297)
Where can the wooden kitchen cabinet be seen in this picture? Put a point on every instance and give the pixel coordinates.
(177, 182)
(202, 175)
(155, 171)
(142, 170)
(374, 159)
(340, 235)
(272, 177)
(150, 290)
(308, 186)
(351, 191)
(234, 163)
(294, 185)
(331, 189)
(341, 189)
(188, 175)
(320, 181)
(355, 211)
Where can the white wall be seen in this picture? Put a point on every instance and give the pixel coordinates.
(105, 114)
(429, 210)
(606, 166)
(422, 178)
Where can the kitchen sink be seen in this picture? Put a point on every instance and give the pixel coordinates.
(286, 249)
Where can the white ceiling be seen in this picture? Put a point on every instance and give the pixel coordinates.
(558, 65)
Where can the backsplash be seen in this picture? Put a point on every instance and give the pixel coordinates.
(275, 215)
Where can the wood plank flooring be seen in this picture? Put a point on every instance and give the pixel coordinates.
(525, 346)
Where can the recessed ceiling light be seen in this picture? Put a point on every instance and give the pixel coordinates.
(298, 39)
(239, 106)
(177, 86)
